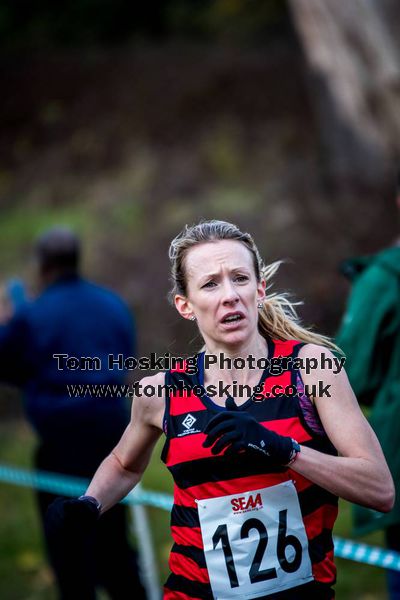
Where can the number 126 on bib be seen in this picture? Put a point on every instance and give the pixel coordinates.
(255, 542)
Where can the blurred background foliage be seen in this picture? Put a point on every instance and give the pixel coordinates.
(43, 24)
(129, 120)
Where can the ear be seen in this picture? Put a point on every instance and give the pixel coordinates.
(183, 306)
(261, 290)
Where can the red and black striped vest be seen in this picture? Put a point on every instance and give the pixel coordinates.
(198, 474)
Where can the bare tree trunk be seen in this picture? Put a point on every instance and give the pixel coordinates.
(355, 66)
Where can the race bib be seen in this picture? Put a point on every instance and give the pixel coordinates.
(255, 542)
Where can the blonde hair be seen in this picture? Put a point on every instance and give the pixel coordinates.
(278, 318)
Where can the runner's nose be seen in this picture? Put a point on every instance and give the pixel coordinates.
(229, 293)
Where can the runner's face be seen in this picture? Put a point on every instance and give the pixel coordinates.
(222, 292)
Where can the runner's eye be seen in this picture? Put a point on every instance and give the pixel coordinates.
(209, 284)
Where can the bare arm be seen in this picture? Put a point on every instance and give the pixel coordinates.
(360, 473)
(123, 468)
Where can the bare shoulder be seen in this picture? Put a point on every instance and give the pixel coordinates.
(149, 400)
(315, 350)
(324, 371)
(316, 358)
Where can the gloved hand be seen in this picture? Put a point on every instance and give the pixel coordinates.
(75, 517)
(237, 430)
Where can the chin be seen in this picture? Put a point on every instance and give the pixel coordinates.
(234, 338)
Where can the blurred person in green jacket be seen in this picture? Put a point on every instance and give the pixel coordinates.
(370, 338)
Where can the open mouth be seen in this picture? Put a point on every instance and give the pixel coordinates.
(232, 318)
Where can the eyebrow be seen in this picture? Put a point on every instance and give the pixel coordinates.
(235, 269)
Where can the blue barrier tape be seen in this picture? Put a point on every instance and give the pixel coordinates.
(370, 555)
(74, 486)
(65, 485)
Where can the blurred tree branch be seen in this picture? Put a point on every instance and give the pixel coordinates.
(355, 68)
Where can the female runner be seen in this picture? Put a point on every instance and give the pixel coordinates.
(257, 476)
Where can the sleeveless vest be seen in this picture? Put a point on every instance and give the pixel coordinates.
(198, 475)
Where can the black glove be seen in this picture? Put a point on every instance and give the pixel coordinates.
(237, 430)
(75, 517)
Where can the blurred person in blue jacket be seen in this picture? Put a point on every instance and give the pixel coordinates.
(74, 318)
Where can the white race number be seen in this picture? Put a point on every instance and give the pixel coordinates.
(255, 543)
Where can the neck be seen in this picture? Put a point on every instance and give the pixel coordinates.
(256, 348)
(49, 277)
